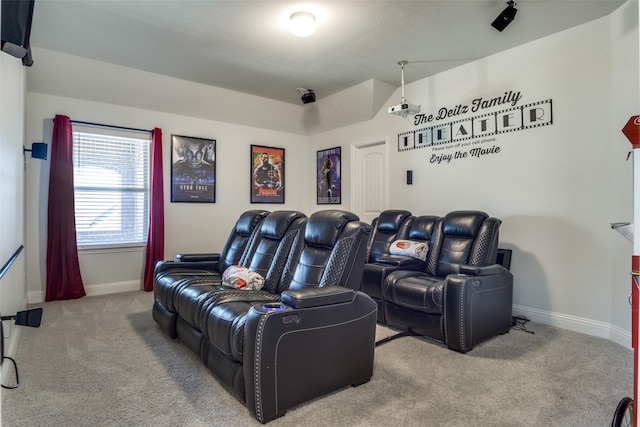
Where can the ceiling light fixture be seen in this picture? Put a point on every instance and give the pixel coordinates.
(302, 24)
(505, 17)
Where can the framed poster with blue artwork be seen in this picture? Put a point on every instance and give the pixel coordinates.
(328, 177)
(193, 169)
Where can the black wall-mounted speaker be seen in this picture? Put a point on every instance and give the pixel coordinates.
(17, 16)
(409, 177)
(505, 17)
(39, 150)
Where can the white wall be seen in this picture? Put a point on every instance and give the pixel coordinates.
(625, 102)
(556, 188)
(56, 73)
(12, 106)
(189, 227)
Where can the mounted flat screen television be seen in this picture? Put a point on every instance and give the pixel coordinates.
(16, 29)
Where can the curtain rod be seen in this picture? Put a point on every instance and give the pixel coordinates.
(110, 126)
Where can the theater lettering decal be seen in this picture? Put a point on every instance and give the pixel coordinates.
(476, 136)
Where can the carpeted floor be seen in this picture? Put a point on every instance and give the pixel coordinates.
(102, 361)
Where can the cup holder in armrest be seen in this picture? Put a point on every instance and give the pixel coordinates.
(273, 306)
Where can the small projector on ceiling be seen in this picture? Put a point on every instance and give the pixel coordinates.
(308, 95)
(404, 109)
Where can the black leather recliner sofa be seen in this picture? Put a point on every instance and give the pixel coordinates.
(459, 295)
(309, 331)
(265, 254)
(171, 276)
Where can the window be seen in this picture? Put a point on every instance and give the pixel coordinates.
(111, 187)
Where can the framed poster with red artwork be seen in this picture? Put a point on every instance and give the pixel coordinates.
(267, 174)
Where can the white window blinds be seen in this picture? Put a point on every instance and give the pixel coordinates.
(111, 187)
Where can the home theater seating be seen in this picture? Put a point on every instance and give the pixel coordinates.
(307, 332)
(458, 295)
(328, 279)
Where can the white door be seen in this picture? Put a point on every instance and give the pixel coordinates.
(369, 180)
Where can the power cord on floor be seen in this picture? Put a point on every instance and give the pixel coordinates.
(15, 368)
(14, 364)
(519, 323)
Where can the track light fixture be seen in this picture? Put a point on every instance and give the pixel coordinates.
(505, 17)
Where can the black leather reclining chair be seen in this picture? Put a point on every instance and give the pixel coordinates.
(380, 266)
(462, 297)
(390, 225)
(275, 351)
(170, 276)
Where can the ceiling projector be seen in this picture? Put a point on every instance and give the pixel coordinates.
(404, 109)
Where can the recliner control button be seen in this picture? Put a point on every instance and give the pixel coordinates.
(287, 320)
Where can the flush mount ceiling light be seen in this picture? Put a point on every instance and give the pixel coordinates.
(302, 24)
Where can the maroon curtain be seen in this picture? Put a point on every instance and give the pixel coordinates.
(155, 241)
(63, 269)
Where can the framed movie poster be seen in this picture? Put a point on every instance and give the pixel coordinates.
(267, 174)
(193, 169)
(329, 176)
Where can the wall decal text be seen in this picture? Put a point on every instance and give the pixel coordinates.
(474, 137)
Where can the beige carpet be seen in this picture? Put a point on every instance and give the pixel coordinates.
(102, 361)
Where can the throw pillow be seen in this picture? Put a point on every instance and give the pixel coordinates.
(409, 248)
(239, 277)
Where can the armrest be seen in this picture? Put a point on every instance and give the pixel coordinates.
(397, 275)
(481, 270)
(294, 355)
(166, 265)
(401, 261)
(375, 274)
(212, 257)
(315, 297)
(477, 307)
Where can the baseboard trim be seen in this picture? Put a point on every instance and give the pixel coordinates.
(576, 324)
(112, 288)
(36, 297)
